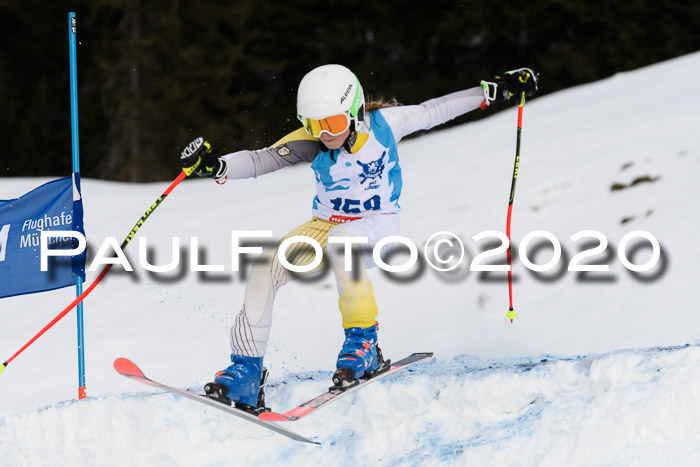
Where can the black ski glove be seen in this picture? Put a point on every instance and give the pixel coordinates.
(519, 83)
(210, 165)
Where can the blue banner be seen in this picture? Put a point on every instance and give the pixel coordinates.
(56, 205)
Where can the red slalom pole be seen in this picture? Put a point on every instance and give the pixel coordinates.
(185, 173)
(511, 314)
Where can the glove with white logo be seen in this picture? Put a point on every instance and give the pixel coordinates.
(209, 165)
(519, 83)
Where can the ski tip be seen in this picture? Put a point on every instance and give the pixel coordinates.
(128, 368)
(272, 417)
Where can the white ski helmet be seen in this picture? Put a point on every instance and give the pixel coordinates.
(327, 91)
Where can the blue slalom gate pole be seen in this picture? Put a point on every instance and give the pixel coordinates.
(72, 30)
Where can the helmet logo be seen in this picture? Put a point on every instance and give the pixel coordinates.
(345, 95)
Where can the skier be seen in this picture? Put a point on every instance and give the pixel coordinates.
(352, 147)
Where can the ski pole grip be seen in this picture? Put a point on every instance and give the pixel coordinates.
(193, 152)
(190, 170)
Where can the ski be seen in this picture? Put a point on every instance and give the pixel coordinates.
(334, 393)
(127, 368)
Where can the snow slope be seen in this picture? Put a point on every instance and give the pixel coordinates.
(487, 399)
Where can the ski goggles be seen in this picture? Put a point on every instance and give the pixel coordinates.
(334, 125)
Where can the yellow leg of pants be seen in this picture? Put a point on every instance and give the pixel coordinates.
(356, 298)
(355, 292)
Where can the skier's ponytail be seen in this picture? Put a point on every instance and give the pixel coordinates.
(380, 103)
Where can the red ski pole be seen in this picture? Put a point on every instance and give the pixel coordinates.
(185, 173)
(511, 314)
(523, 75)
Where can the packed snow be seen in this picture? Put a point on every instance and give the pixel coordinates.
(599, 368)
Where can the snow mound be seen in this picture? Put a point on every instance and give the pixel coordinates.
(629, 407)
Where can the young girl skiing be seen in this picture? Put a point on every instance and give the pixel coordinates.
(352, 148)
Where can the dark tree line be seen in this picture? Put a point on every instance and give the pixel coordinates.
(152, 74)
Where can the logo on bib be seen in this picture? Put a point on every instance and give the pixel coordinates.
(372, 171)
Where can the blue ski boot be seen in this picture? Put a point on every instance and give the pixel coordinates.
(240, 383)
(360, 356)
